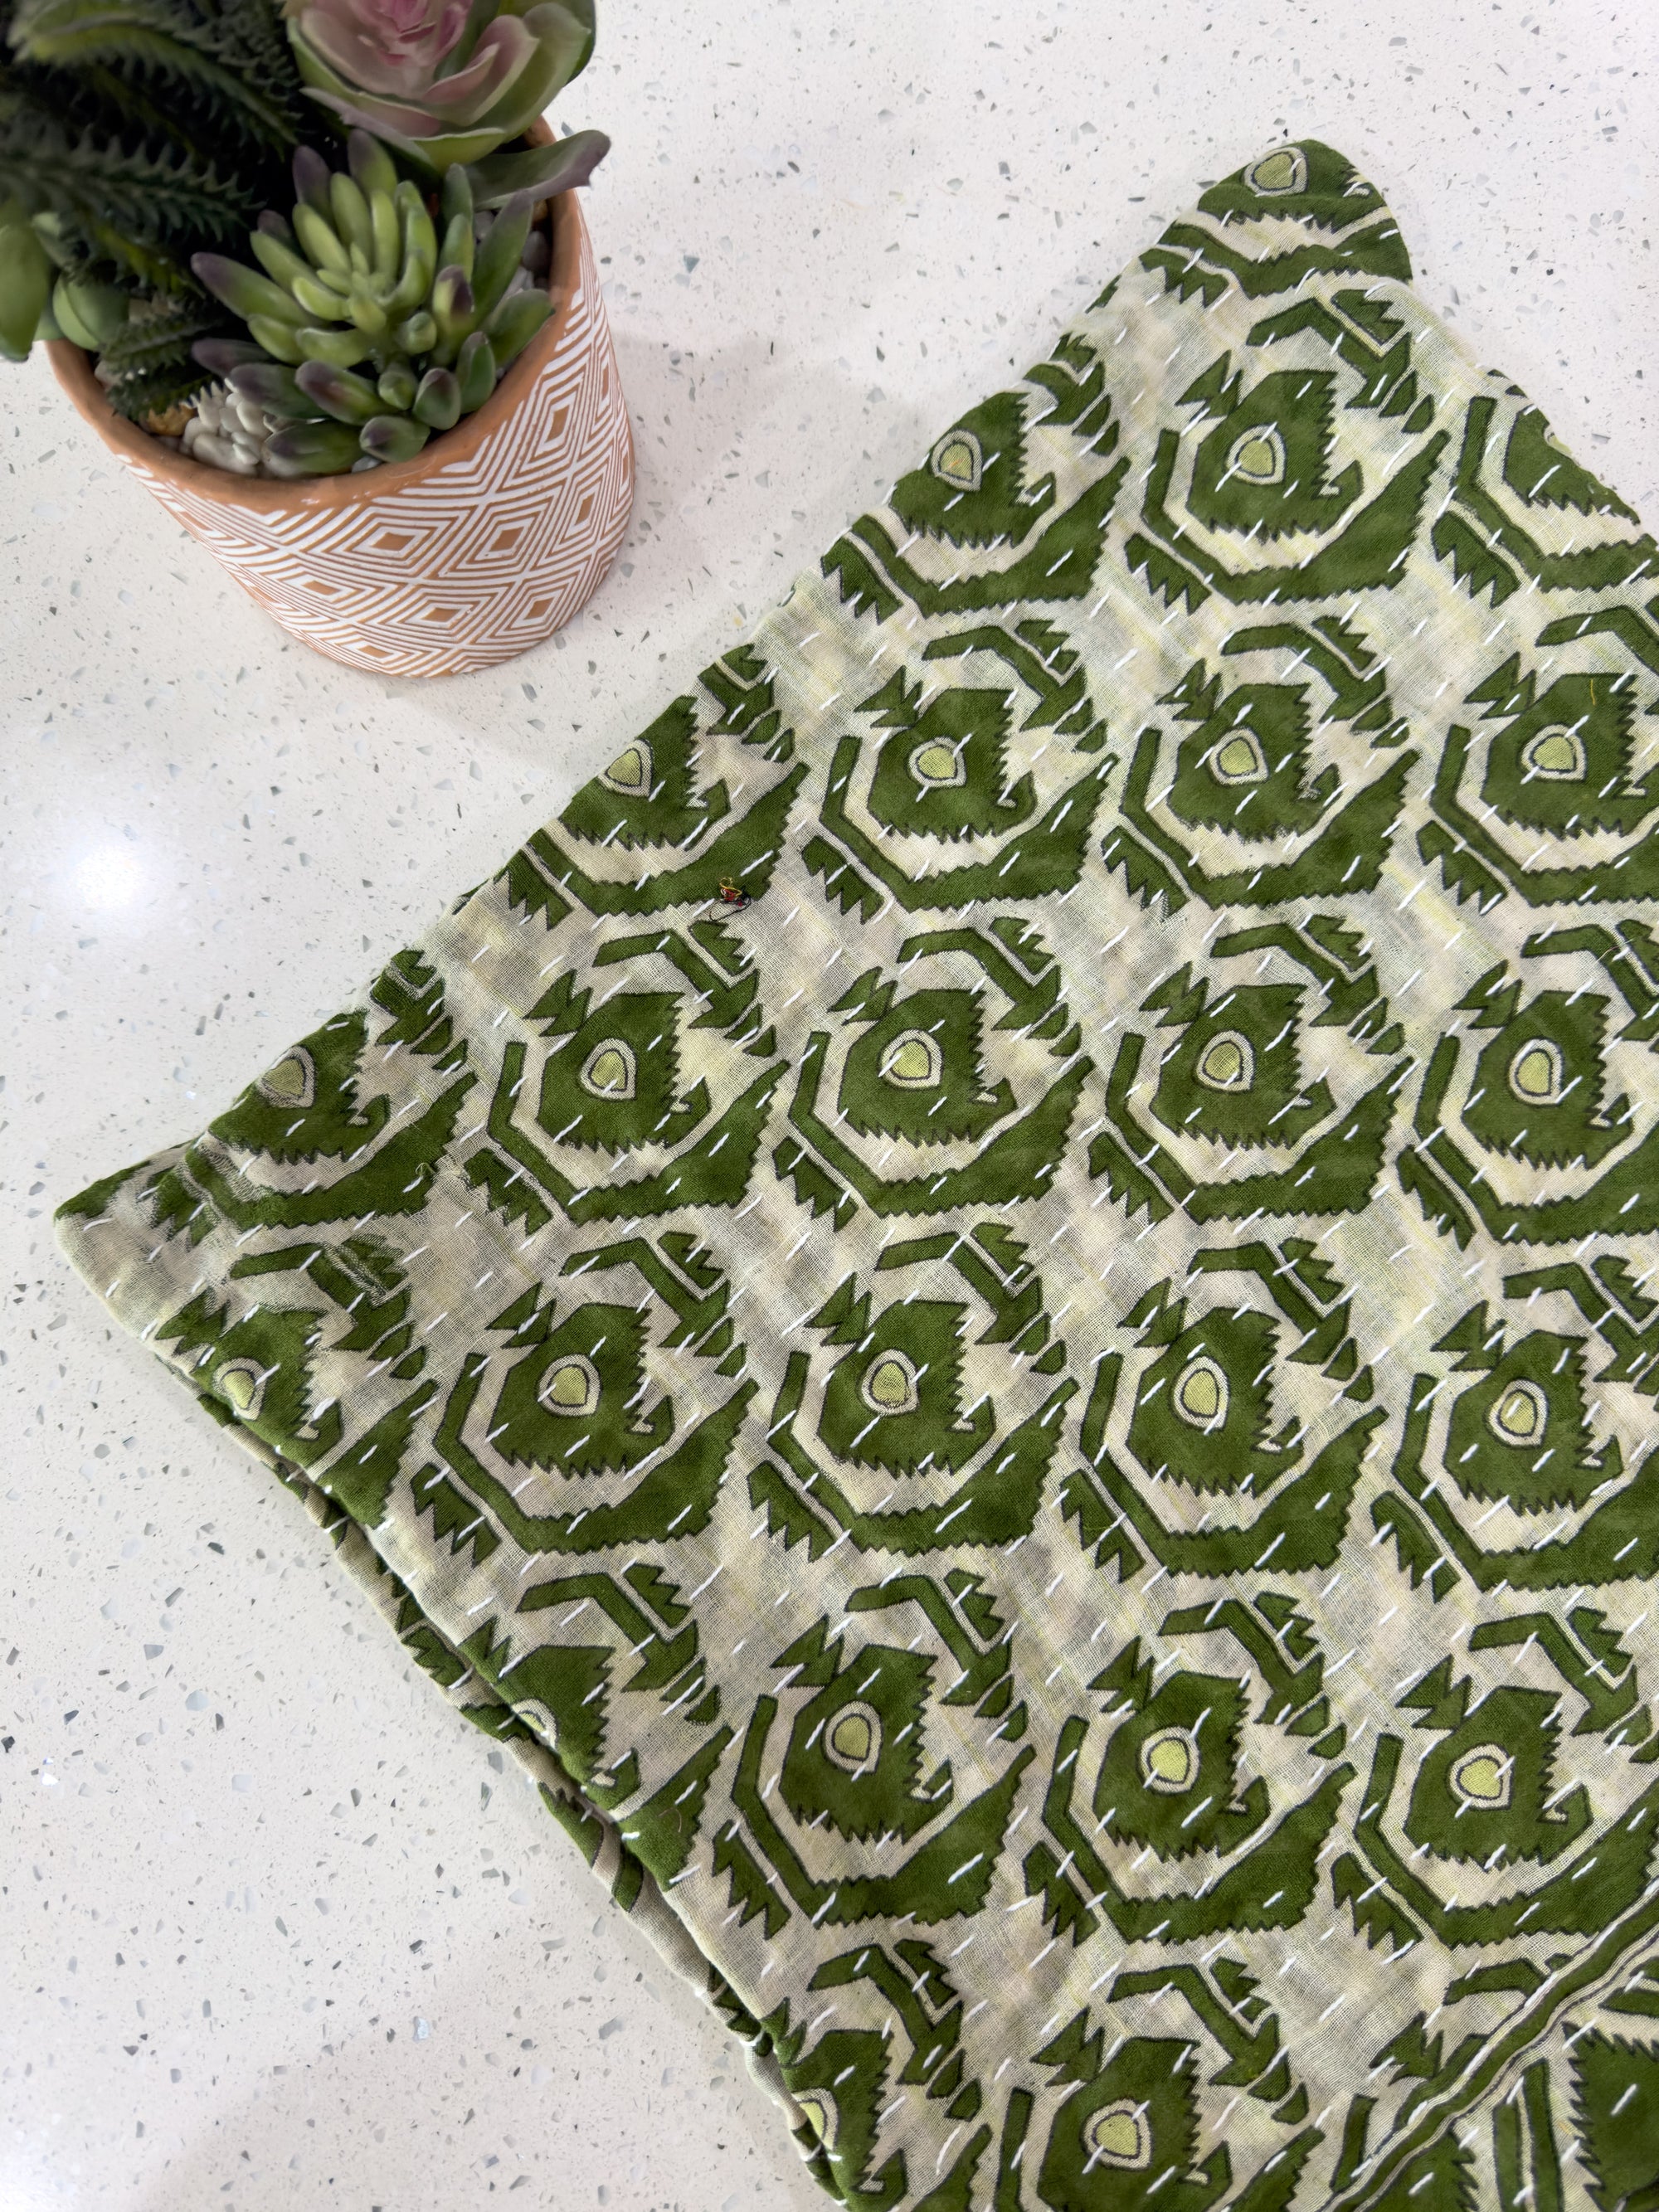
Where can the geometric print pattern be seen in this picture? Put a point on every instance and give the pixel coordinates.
(999, 1303)
(468, 555)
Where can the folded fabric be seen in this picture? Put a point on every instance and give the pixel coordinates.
(995, 1304)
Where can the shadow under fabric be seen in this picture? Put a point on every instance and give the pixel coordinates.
(996, 1305)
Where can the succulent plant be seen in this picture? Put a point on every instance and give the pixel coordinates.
(367, 330)
(133, 133)
(230, 431)
(26, 273)
(446, 82)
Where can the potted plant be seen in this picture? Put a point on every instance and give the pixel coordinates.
(403, 430)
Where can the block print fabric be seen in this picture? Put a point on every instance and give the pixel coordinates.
(998, 1303)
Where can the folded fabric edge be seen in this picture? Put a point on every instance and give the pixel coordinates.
(609, 1857)
(629, 1883)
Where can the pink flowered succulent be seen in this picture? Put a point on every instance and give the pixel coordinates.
(391, 46)
(445, 81)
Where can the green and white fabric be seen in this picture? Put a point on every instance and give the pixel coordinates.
(1045, 1435)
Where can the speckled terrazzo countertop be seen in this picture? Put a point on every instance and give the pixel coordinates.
(280, 1929)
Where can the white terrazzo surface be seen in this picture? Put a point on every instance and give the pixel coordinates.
(278, 1929)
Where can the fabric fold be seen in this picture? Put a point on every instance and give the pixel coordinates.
(995, 1304)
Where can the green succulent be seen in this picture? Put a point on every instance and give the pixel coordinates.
(447, 81)
(133, 133)
(37, 301)
(367, 328)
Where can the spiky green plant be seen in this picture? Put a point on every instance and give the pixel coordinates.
(132, 134)
(367, 330)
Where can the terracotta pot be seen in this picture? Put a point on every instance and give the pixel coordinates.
(483, 545)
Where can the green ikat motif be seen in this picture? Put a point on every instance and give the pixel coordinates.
(998, 1305)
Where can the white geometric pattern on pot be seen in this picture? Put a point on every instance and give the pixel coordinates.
(483, 545)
